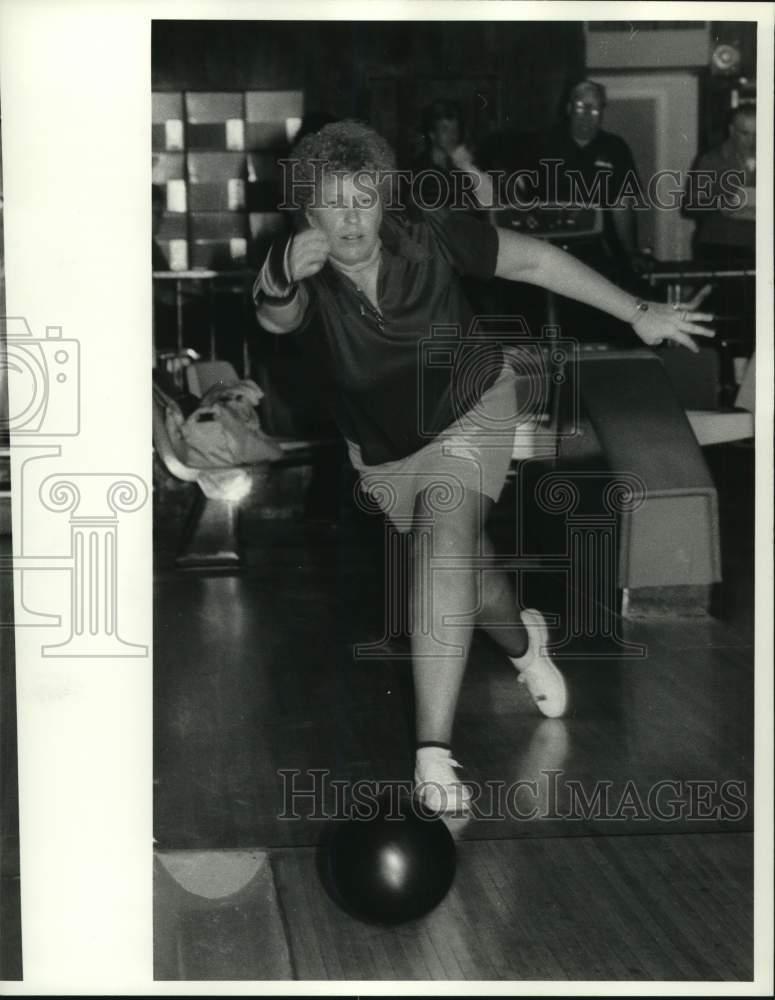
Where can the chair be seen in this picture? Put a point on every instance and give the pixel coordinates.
(210, 536)
(202, 375)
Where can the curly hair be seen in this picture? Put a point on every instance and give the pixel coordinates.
(344, 147)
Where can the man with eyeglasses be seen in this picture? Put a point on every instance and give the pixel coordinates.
(596, 167)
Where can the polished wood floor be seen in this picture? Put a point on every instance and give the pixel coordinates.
(622, 908)
(255, 677)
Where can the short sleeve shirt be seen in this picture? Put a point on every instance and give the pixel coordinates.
(400, 375)
(716, 227)
(607, 156)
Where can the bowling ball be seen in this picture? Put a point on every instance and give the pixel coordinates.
(394, 866)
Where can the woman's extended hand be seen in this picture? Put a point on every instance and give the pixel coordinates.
(662, 321)
(309, 252)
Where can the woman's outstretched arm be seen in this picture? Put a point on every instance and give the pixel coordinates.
(537, 262)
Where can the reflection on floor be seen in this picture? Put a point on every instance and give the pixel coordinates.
(614, 843)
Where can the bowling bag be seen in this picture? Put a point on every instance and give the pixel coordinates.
(224, 429)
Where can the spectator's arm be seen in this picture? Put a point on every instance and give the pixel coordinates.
(483, 187)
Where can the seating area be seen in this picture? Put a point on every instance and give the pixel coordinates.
(210, 538)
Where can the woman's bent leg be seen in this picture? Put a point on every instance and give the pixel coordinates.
(499, 614)
(443, 604)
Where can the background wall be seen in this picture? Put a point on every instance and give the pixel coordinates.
(669, 99)
(510, 74)
(656, 115)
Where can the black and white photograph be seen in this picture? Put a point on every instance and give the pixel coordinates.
(417, 633)
(505, 325)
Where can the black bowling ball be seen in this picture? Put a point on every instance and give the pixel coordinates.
(393, 867)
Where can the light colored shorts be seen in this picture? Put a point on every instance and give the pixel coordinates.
(472, 454)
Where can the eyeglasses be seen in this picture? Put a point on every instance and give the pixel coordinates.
(581, 108)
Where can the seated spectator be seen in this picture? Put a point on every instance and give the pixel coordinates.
(446, 153)
(720, 194)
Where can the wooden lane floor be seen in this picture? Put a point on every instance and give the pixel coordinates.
(604, 908)
(614, 843)
(256, 688)
(624, 908)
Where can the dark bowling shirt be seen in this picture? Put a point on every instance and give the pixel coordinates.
(392, 388)
(730, 232)
(435, 187)
(606, 157)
